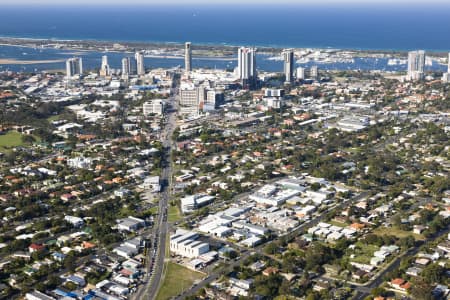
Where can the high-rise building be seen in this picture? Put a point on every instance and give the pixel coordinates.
(187, 57)
(214, 98)
(300, 73)
(416, 65)
(190, 99)
(247, 67)
(288, 55)
(140, 66)
(129, 66)
(448, 64)
(446, 76)
(74, 67)
(104, 69)
(314, 72)
(125, 67)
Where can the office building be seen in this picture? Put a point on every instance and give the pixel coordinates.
(104, 69)
(300, 73)
(213, 99)
(416, 65)
(154, 106)
(190, 99)
(314, 72)
(187, 57)
(247, 67)
(74, 67)
(140, 66)
(194, 202)
(288, 56)
(185, 243)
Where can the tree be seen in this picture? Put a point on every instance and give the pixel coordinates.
(70, 262)
(433, 273)
(28, 139)
(271, 248)
(421, 290)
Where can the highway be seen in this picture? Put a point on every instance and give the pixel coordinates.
(157, 253)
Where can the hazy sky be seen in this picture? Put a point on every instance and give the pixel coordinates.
(209, 2)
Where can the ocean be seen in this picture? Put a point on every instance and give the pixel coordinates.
(364, 27)
(357, 26)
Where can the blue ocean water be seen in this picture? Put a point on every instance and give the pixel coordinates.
(92, 61)
(397, 27)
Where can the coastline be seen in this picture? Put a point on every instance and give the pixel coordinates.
(130, 46)
(12, 61)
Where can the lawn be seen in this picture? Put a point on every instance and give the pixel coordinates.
(177, 279)
(10, 140)
(336, 223)
(54, 118)
(173, 214)
(363, 253)
(397, 233)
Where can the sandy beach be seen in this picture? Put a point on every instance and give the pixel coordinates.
(9, 61)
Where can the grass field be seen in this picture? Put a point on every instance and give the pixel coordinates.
(177, 279)
(10, 140)
(397, 233)
(54, 118)
(363, 253)
(173, 214)
(336, 223)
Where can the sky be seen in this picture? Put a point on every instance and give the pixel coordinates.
(220, 2)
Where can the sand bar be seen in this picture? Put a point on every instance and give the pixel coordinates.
(11, 61)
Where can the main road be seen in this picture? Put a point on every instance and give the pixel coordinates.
(258, 249)
(157, 253)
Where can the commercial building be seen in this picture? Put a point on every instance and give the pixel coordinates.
(214, 98)
(187, 57)
(74, 67)
(190, 99)
(288, 55)
(193, 202)
(185, 243)
(36, 295)
(247, 67)
(154, 106)
(416, 65)
(130, 224)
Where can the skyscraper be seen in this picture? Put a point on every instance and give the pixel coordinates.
(314, 72)
(448, 67)
(140, 67)
(129, 66)
(187, 57)
(288, 55)
(416, 65)
(247, 67)
(104, 69)
(74, 66)
(446, 76)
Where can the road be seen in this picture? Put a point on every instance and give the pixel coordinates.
(364, 290)
(296, 232)
(156, 256)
